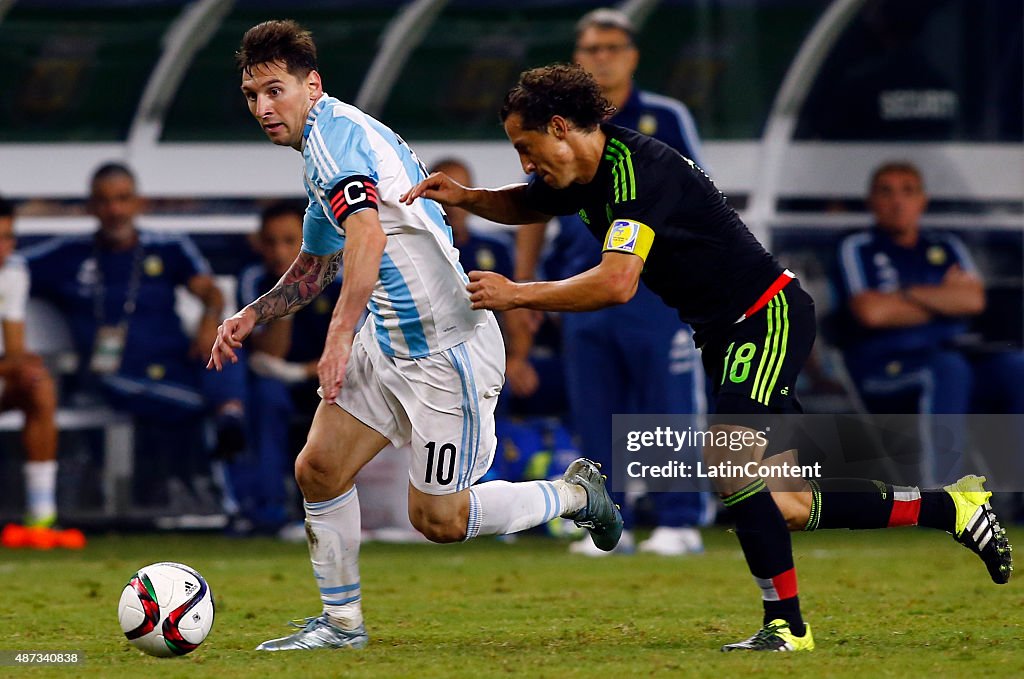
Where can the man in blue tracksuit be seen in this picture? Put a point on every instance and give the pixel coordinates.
(633, 358)
(116, 290)
(910, 294)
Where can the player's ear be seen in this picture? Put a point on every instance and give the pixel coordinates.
(314, 85)
(558, 127)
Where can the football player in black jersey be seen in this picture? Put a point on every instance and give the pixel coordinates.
(661, 219)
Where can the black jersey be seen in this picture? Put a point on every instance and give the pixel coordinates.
(703, 261)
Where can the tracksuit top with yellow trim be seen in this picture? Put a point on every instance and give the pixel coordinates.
(649, 200)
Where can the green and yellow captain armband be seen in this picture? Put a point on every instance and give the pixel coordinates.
(625, 235)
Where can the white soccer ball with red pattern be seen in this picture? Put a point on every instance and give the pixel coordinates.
(166, 609)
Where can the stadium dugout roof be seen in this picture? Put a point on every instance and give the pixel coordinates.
(153, 82)
(111, 70)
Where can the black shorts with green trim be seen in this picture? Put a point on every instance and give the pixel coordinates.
(754, 364)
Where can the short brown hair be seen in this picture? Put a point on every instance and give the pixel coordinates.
(282, 208)
(559, 89)
(280, 40)
(110, 169)
(895, 166)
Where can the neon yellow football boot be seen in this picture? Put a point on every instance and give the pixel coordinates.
(775, 636)
(978, 529)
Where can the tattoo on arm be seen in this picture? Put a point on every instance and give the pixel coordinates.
(307, 278)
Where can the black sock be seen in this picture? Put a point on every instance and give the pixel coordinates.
(764, 537)
(864, 504)
(850, 503)
(788, 610)
(937, 510)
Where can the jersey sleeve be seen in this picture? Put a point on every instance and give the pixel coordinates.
(689, 140)
(961, 255)
(853, 274)
(346, 166)
(186, 261)
(319, 237)
(42, 260)
(15, 293)
(680, 130)
(248, 288)
(629, 236)
(639, 206)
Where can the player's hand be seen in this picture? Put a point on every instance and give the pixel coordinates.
(489, 290)
(438, 186)
(521, 377)
(331, 368)
(230, 335)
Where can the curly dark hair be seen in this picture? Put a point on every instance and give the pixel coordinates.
(559, 89)
(281, 40)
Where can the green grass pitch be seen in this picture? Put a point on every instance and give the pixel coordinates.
(882, 604)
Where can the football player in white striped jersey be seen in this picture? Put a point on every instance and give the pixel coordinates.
(425, 370)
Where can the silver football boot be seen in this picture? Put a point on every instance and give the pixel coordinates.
(600, 515)
(318, 632)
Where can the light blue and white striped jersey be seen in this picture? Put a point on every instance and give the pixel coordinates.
(419, 305)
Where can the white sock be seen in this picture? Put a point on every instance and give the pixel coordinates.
(41, 490)
(500, 507)
(333, 533)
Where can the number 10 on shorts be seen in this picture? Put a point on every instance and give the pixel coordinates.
(440, 463)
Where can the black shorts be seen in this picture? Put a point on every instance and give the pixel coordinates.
(754, 364)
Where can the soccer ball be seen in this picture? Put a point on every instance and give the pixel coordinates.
(166, 609)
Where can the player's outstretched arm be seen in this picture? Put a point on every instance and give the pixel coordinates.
(305, 279)
(506, 205)
(613, 281)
